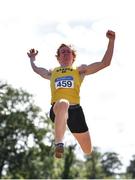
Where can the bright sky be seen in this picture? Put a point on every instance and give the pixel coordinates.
(107, 96)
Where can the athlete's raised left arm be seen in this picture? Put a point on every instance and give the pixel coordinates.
(94, 67)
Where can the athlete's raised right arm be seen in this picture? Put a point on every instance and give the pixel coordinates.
(39, 70)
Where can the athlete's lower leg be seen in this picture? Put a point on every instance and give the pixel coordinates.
(61, 115)
(85, 141)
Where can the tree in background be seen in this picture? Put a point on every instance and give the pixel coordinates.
(21, 124)
(69, 161)
(111, 164)
(100, 166)
(93, 169)
(130, 172)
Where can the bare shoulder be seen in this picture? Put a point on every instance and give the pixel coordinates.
(82, 70)
(50, 71)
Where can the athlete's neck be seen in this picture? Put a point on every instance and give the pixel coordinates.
(65, 66)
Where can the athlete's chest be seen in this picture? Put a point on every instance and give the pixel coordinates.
(64, 78)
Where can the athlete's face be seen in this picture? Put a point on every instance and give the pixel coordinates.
(65, 56)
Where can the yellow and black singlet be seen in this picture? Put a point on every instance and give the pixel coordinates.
(65, 83)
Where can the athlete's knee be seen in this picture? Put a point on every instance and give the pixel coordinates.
(88, 151)
(61, 106)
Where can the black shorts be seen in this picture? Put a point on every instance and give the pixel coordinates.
(76, 119)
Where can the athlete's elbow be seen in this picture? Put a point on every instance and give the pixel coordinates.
(35, 70)
(106, 61)
(106, 64)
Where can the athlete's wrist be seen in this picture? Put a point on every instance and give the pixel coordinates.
(32, 59)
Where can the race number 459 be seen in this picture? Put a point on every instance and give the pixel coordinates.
(64, 82)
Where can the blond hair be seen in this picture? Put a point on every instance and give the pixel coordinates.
(69, 46)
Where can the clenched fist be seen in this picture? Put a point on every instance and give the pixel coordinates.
(110, 34)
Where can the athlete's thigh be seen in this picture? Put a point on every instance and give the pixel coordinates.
(76, 121)
(84, 140)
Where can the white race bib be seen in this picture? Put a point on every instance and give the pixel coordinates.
(64, 82)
